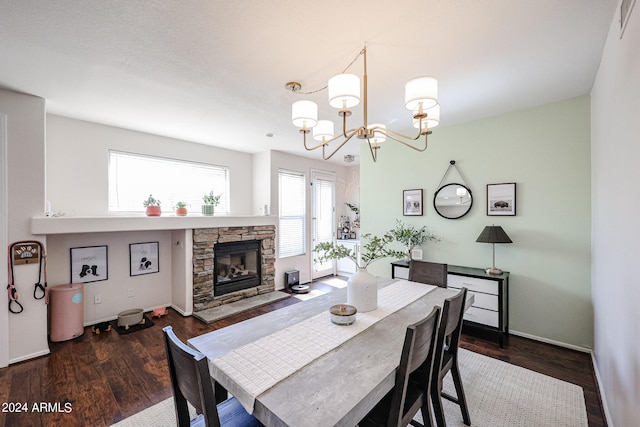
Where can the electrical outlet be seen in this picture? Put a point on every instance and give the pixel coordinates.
(130, 293)
(97, 299)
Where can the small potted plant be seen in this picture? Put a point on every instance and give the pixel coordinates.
(210, 203)
(153, 206)
(411, 237)
(181, 209)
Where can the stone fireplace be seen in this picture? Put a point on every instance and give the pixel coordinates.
(232, 263)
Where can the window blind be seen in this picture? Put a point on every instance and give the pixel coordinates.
(291, 217)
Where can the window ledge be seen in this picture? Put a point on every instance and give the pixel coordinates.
(69, 225)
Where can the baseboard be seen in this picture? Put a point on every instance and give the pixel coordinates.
(603, 397)
(180, 311)
(115, 316)
(29, 356)
(548, 341)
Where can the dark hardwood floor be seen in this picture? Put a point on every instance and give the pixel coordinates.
(97, 380)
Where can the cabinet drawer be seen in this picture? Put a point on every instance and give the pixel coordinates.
(490, 302)
(473, 284)
(479, 315)
(400, 272)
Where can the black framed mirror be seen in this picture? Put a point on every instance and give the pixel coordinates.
(453, 201)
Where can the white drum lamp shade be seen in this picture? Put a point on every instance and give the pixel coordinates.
(344, 91)
(304, 114)
(378, 135)
(421, 91)
(432, 120)
(323, 130)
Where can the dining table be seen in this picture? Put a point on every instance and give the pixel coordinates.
(294, 367)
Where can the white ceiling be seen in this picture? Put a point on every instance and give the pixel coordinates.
(214, 71)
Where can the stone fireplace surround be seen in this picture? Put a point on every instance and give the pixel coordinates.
(204, 239)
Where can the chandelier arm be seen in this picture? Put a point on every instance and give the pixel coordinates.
(408, 144)
(324, 156)
(374, 151)
(391, 133)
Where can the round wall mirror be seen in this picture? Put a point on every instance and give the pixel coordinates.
(453, 201)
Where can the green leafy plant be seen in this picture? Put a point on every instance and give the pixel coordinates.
(375, 248)
(151, 201)
(411, 237)
(353, 208)
(180, 205)
(211, 199)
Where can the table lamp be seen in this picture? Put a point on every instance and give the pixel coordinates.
(493, 234)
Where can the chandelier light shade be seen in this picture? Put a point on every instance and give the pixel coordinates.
(493, 234)
(304, 114)
(421, 94)
(344, 91)
(421, 98)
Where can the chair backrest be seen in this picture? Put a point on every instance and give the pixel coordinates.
(431, 273)
(416, 368)
(190, 381)
(450, 327)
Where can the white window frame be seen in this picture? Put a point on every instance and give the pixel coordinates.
(292, 216)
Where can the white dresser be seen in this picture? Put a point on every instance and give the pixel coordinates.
(345, 266)
(490, 309)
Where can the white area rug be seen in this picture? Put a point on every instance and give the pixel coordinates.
(498, 394)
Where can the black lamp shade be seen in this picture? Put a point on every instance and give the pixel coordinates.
(493, 234)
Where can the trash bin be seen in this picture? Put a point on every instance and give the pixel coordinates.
(66, 307)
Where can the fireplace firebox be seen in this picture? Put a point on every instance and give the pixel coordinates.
(237, 266)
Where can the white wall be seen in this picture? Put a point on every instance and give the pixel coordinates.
(27, 332)
(4, 312)
(546, 152)
(77, 164)
(615, 127)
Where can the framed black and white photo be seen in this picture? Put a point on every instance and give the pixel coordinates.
(412, 202)
(143, 258)
(501, 199)
(89, 264)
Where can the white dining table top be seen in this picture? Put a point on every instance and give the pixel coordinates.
(340, 387)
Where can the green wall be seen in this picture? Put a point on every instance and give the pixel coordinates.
(546, 152)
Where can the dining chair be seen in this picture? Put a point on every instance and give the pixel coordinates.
(446, 358)
(413, 379)
(431, 273)
(191, 382)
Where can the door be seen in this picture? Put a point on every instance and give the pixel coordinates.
(323, 219)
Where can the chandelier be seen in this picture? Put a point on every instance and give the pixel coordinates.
(421, 98)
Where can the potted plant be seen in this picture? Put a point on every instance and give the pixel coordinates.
(411, 237)
(181, 208)
(210, 202)
(153, 206)
(362, 287)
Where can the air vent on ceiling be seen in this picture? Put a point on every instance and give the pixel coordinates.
(626, 6)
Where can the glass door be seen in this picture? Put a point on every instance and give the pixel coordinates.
(323, 220)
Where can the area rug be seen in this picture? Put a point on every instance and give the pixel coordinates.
(122, 331)
(498, 395)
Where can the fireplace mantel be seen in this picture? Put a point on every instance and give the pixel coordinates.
(101, 224)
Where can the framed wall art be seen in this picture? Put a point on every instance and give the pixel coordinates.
(501, 199)
(412, 202)
(89, 264)
(143, 258)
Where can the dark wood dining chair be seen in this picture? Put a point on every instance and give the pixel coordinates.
(446, 358)
(413, 379)
(191, 382)
(431, 273)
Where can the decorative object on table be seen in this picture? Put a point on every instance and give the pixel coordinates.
(210, 202)
(143, 258)
(501, 199)
(362, 287)
(421, 98)
(180, 208)
(343, 314)
(411, 237)
(412, 202)
(101, 327)
(153, 206)
(89, 264)
(159, 312)
(453, 200)
(493, 234)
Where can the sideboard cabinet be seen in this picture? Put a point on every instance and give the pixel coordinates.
(490, 309)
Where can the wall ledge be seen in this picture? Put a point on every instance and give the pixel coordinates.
(103, 224)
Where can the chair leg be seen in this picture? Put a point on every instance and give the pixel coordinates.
(462, 400)
(436, 401)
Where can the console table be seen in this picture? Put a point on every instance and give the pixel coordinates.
(490, 309)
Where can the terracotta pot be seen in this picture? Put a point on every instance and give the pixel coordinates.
(154, 211)
(181, 211)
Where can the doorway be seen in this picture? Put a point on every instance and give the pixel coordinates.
(323, 219)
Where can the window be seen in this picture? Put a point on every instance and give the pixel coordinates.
(291, 220)
(132, 177)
